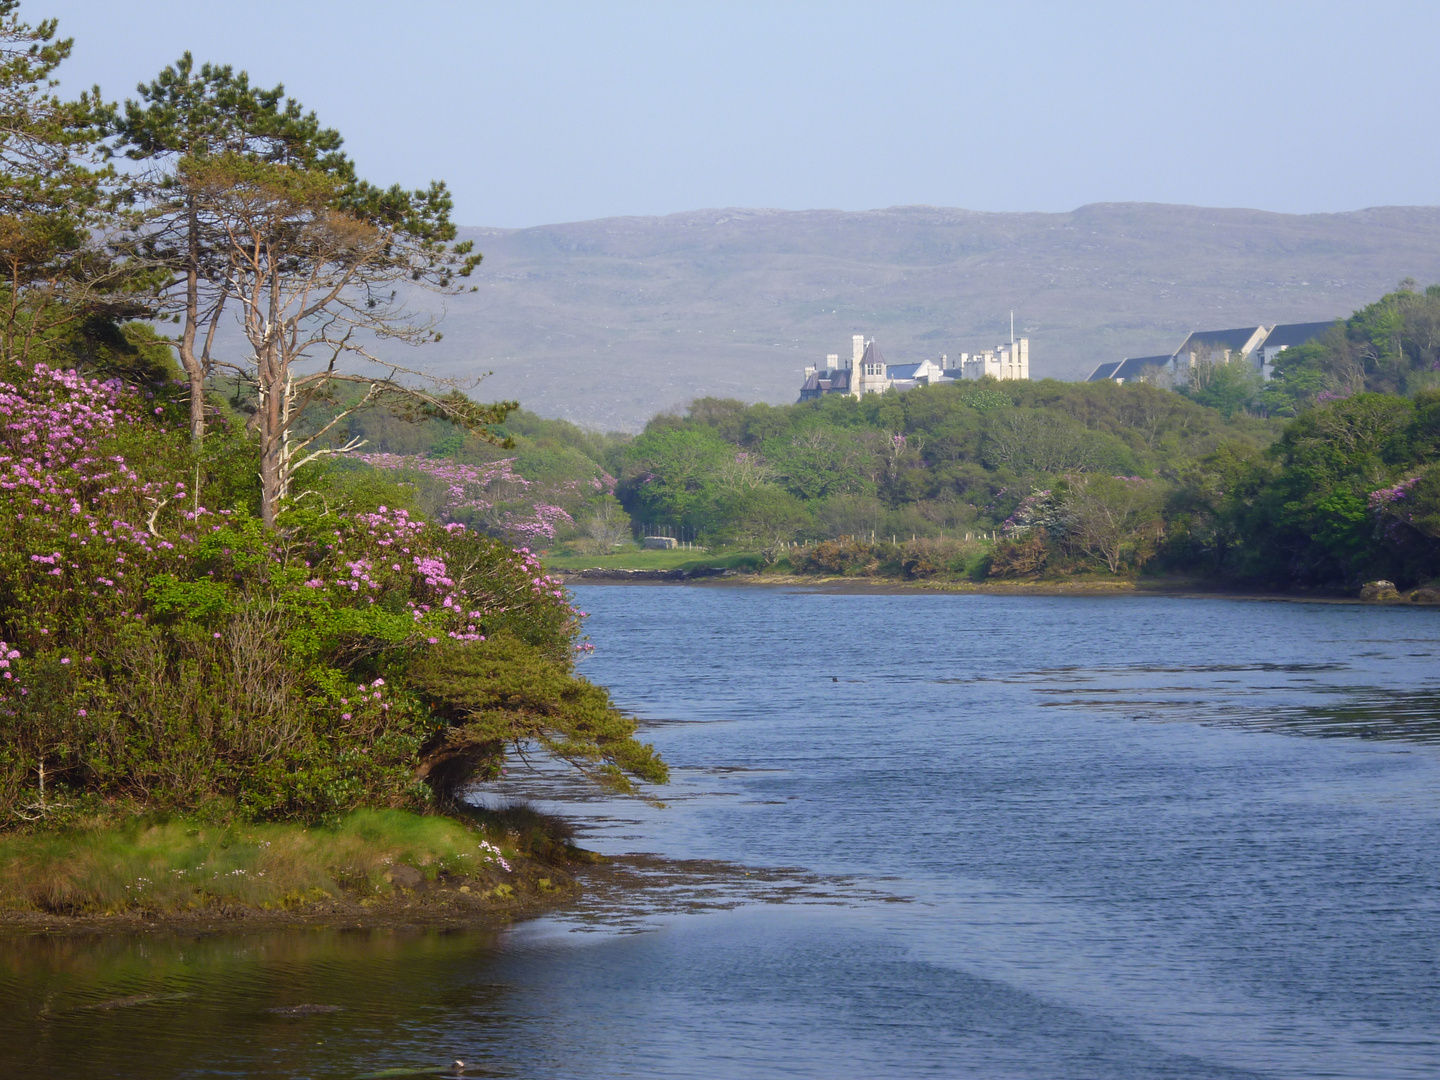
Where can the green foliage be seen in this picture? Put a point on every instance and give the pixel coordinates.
(1391, 346)
(505, 691)
(1229, 386)
(160, 653)
(1115, 520)
(765, 519)
(939, 462)
(1134, 475)
(910, 559)
(671, 475)
(177, 633)
(1340, 498)
(57, 197)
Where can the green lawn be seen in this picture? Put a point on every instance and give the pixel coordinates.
(637, 559)
(178, 865)
(632, 559)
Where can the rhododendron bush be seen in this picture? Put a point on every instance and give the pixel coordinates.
(161, 651)
(493, 496)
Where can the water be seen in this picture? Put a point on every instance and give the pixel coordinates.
(986, 837)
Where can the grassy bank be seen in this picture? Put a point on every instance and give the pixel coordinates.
(370, 862)
(638, 559)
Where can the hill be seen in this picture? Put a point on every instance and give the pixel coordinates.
(606, 322)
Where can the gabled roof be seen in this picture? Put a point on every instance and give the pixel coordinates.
(1215, 341)
(902, 371)
(830, 379)
(1134, 366)
(1104, 371)
(1296, 333)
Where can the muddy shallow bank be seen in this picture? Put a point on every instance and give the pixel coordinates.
(449, 904)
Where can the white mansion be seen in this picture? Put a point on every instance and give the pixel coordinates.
(866, 372)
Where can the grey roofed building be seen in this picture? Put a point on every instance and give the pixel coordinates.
(1295, 333)
(1284, 337)
(1254, 343)
(1220, 344)
(1132, 367)
(1104, 371)
(827, 381)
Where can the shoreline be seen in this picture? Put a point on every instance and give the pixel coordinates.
(371, 870)
(1178, 590)
(444, 907)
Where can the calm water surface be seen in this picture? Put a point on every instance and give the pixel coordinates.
(998, 837)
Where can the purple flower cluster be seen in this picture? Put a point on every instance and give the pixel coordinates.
(368, 697)
(404, 557)
(1036, 509)
(83, 535)
(1385, 497)
(493, 492)
(468, 487)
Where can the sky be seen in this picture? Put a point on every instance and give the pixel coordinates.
(537, 113)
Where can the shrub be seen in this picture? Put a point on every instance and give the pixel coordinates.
(1024, 556)
(161, 653)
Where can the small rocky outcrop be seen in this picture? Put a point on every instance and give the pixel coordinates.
(1379, 590)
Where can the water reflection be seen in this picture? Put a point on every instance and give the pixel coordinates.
(1305, 704)
(296, 1003)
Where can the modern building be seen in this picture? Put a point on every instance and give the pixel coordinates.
(1257, 344)
(1132, 367)
(1284, 336)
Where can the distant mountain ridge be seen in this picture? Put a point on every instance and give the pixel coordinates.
(606, 322)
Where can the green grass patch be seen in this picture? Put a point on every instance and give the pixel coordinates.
(180, 865)
(637, 559)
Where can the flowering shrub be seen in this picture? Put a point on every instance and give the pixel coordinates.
(1414, 501)
(1392, 499)
(1038, 510)
(165, 652)
(493, 495)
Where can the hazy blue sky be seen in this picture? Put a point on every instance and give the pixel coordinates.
(538, 112)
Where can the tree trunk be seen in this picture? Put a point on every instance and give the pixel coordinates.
(272, 367)
(272, 441)
(194, 370)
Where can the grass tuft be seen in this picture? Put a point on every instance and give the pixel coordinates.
(179, 865)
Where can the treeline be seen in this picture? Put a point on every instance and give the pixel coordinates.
(1324, 476)
(938, 462)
